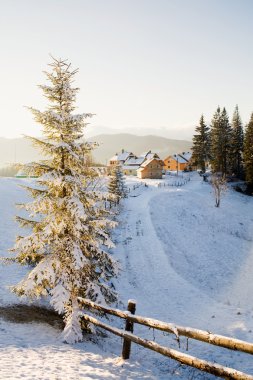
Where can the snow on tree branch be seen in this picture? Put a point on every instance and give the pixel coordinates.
(67, 220)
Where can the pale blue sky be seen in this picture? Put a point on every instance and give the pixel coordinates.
(142, 63)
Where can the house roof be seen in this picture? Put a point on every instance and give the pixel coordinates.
(145, 154)
(148, 155)
(151, 155)
(181, 158)
(121, 156)
(134, 161)
(128, 158)
(186, 155)
(147, 162)
(21, 173)
(114, 158)
(124, 156)
(177, 158)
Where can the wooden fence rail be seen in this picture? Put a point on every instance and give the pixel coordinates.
(204, 336)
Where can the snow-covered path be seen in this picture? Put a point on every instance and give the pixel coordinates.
(146, 265)
(182, 259)
(34, 350)
(187, 262)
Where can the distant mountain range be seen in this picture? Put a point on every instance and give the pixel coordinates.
(111, 144)
(185, 132)
(21, 150)
(17, 150)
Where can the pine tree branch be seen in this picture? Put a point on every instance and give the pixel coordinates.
(25, 222)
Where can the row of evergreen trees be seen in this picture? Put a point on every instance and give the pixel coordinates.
(227, 146)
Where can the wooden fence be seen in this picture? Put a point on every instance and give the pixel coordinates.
(204, 336)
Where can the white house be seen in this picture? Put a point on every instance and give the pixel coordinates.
(119, 159)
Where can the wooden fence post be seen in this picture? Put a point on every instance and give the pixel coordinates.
(131, 307)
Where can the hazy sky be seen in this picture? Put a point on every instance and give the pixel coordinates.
(142, 63)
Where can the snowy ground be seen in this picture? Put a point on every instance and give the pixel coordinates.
(182, 259)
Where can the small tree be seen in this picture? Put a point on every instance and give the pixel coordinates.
(68, 226)
(121, 182)
(219, 186)
(116, 185)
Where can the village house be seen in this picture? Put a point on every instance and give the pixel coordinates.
(131, 165)
(119, 159)
(177, 161)
(26, 172)
(149, 155)
(152, 168)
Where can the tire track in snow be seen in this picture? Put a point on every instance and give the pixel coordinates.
(147, 266)
(164, 293)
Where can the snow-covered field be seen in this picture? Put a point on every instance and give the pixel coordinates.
(183, 260)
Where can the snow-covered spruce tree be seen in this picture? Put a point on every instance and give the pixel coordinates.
(216, 143)
(220, 142)
(68, 226)
(113, 185)
(248, 154)
(237, 144)
(122, 185)
(201, 145)
(227, 148)
(116, 185)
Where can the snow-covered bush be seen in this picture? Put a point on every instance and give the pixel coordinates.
(219, 185)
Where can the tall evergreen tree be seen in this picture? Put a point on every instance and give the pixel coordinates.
(220, 142)
(237, 144)
(216, 141)
(248, 153)
(227, 134)
(201, 145)
(68, 226)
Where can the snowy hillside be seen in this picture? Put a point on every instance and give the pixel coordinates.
(182, 259)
